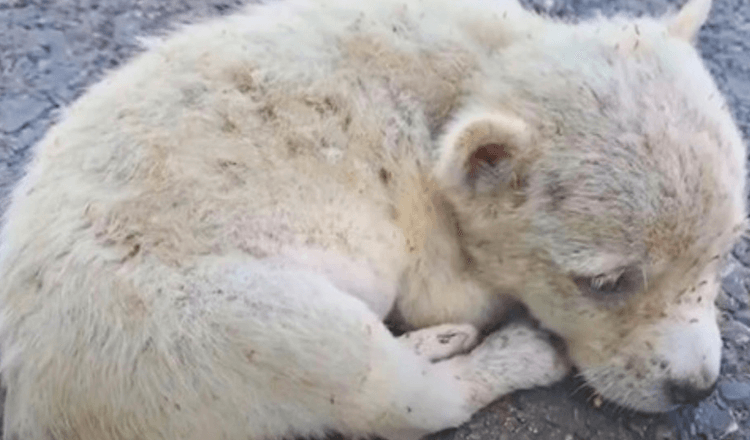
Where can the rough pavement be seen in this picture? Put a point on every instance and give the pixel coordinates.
(50, 50)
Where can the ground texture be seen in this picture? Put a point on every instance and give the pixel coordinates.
(50, 50)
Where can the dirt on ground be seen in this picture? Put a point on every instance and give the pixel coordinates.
(51, 50)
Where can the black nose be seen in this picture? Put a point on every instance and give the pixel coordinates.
(683, 393)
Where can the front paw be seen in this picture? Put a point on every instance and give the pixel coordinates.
(515, 357)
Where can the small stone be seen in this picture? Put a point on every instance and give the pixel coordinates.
(743, 316)
(711, 421)
(719, 419)
(17, 110)
(597, 402)
(735, 391)
(735, 332)
(742, 252)
(734, 284)
(725, 301)
(732, 428)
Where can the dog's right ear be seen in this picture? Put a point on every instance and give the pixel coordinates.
(485, 152)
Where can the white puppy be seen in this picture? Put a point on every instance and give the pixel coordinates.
(205, 247)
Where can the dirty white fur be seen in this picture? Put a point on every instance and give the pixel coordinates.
(207, 244)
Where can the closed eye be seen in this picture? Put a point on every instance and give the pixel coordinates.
(615, 285)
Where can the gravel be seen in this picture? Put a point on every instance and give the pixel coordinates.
(735, 391)
(50, 50)
(743, 316)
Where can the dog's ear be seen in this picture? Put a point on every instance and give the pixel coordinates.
(688, 21)
(485, 152)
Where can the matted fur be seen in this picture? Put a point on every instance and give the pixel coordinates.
(206, 245)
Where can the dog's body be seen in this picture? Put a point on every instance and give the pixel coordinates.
(206, 246)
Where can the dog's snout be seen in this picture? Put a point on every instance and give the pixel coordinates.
(685, 393)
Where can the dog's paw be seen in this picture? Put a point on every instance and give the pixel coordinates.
(514, 358)
(536, 357)
(442, 341)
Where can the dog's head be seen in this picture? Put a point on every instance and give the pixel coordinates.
(600, 181)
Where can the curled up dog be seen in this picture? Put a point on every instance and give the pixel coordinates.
(207, 243)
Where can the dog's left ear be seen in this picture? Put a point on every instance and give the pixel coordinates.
(689, 20)
(485, 152)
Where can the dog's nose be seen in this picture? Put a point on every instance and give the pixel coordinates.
(683, 393)
(693, 354)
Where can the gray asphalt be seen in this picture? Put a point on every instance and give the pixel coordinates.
(51, 50)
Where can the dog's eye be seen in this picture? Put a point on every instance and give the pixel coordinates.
(607, 286)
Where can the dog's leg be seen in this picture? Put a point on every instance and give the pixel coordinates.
(516, 357)
(236, 350)
(513, 358)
